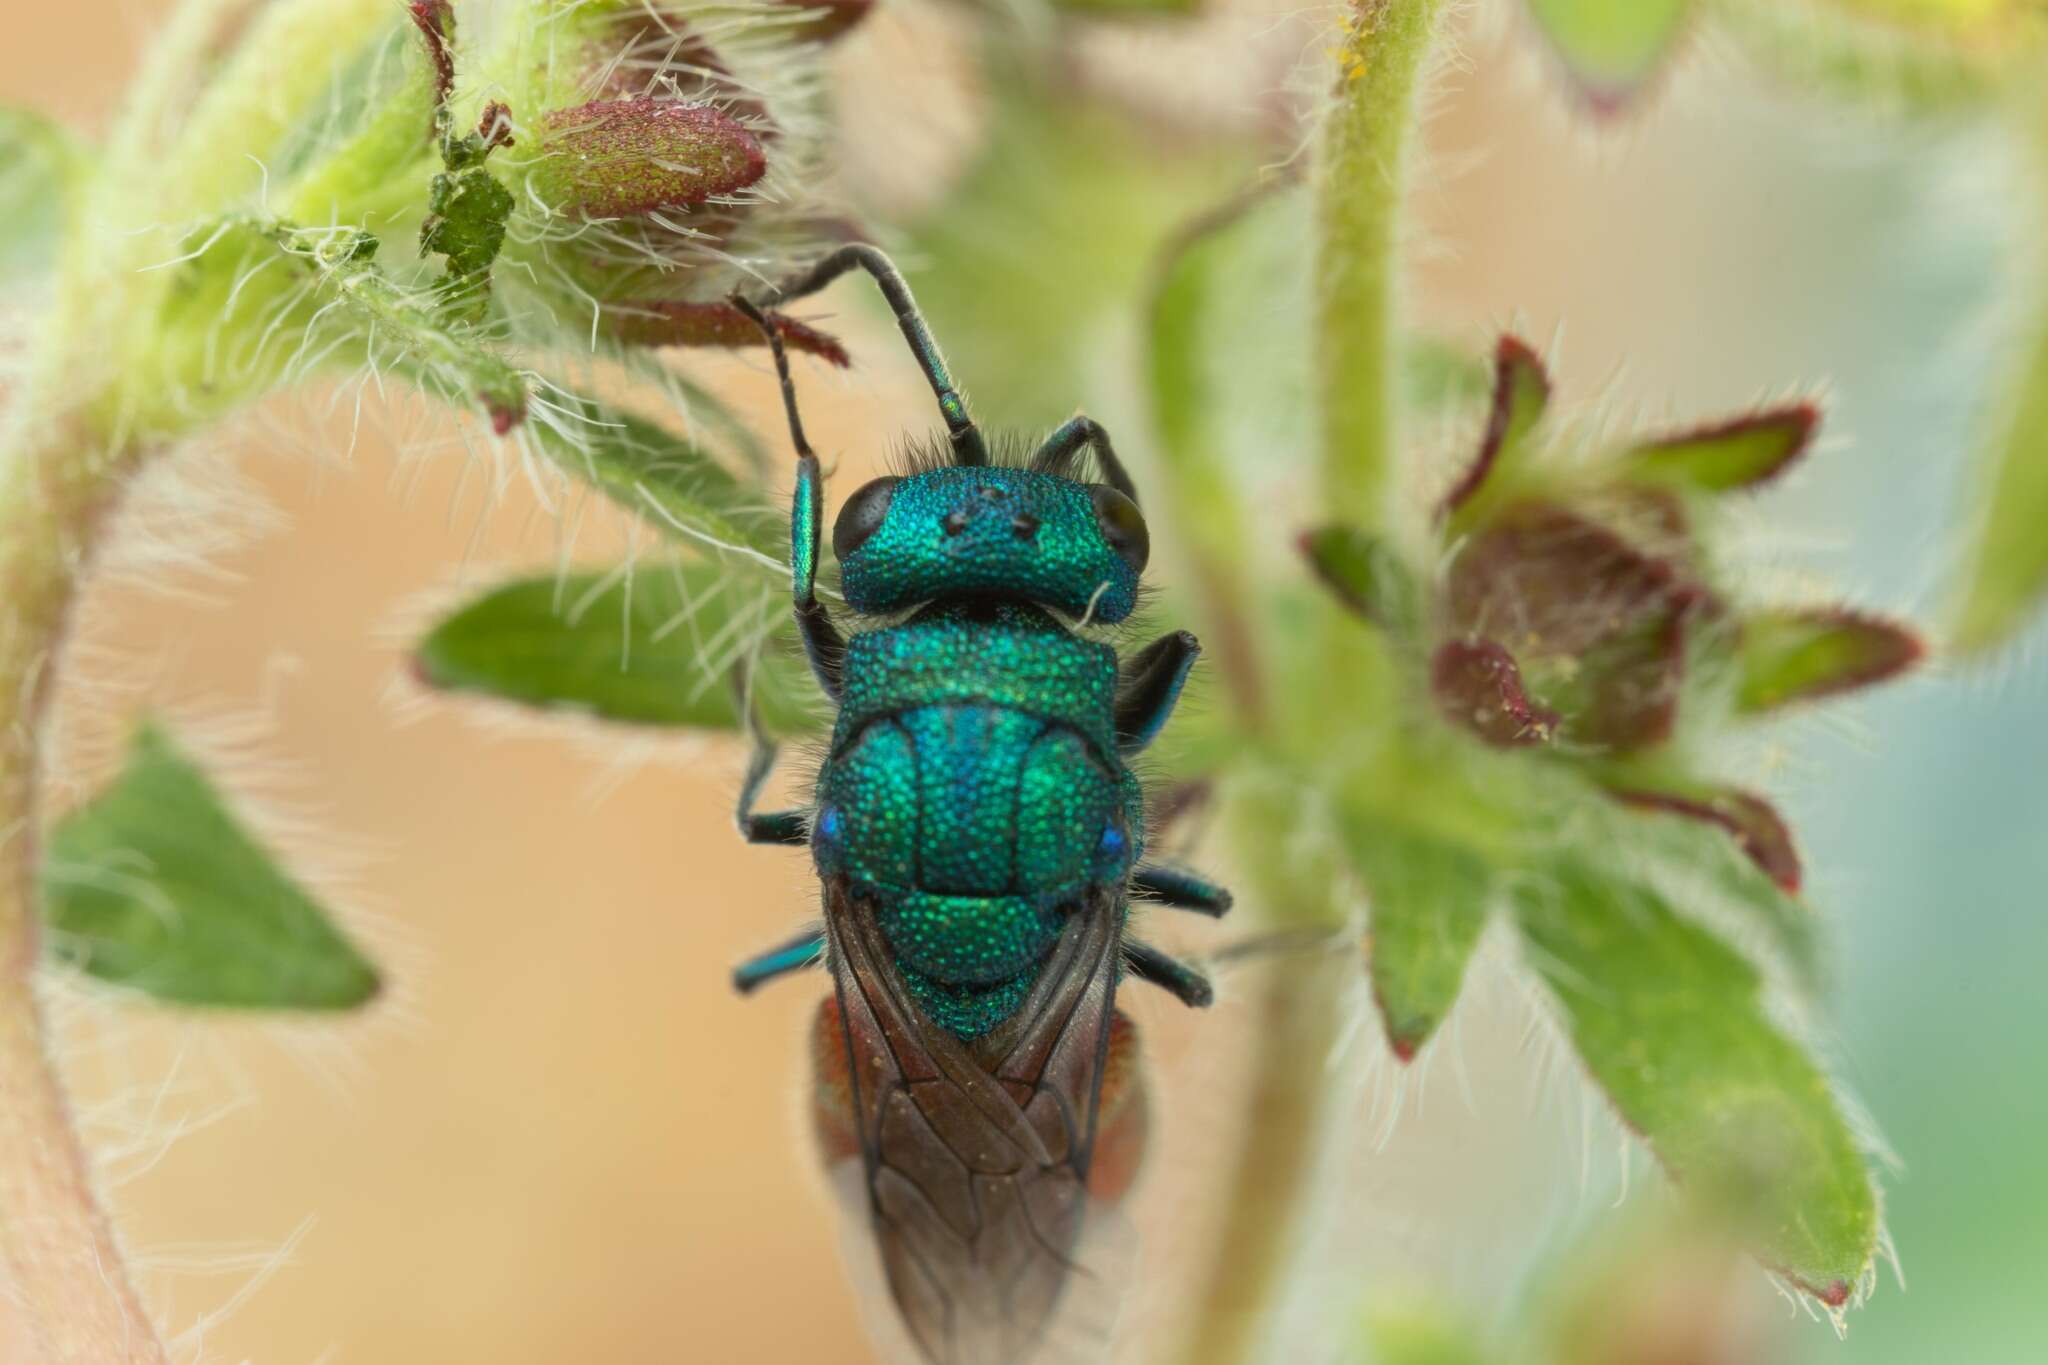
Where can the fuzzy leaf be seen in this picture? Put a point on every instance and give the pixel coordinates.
(1521, 392)
(1428, 902)
(1671, 1023)
(647, 469)
(664, 647)
(1366, 575)
(156, 886)
(1611, 48)
(1739, 453)
(1794, 656)
(39, 165)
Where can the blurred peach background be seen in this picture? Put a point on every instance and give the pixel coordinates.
(562, 1137)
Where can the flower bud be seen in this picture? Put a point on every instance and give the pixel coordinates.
(627, 158)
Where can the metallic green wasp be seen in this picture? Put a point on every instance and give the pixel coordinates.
(979, 835)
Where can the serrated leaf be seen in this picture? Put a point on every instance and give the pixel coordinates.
(39, 167)
(1672, 1025)
(1739, 453)
(1794, 656)
(1611, 48)
(1427, 902)
(665, 646)
(1366, 576)
(1521, 393)
(155, 885)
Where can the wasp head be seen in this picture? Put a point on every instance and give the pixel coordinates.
(990, 531)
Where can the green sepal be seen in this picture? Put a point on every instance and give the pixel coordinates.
(1611, 48)
(1740, 453)
(1366, 575)
(1672, 1025)
(1792, 656)
(1521, 394)
(1427, 901)
(665, 645)
(156, 886)
(41, 165)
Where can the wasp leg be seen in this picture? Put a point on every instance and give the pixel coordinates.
(805, 950)
(1147, 963)
(823, 643)
(1182, 889)
(968, 447)
(1149, 688)
(767, 827)
(1075, 435)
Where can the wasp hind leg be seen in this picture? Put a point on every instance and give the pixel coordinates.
(1147, 963)
(1182, 889)
(805, 950)
(790, 828)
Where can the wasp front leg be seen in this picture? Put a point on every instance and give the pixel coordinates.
(1150, 687)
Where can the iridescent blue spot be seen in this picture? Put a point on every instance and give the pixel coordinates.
(1115, 843)
(830, 824)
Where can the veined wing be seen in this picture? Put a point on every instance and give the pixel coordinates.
(977, 1165)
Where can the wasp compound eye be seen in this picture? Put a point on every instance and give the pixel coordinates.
(862, 515)
(1123, 526)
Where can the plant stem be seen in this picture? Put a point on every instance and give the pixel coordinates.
(1359, 186)
(56, 478)
(1300, 1011)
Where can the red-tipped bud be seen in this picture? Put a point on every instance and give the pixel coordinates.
(1598, 625)
(624, 158)
(1739, 453)
(1795, 656)
(674, 322)
(1751, 821)
(1479, 687)
(1521, 391)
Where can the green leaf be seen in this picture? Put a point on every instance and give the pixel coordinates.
(40, 165)
(1739, 453)
(662, 646)
(1611, 48)
(1936, 67)
(1794, 656)
(1366, 575)
(1427, 900)
(1672, 1025)
(156, 886)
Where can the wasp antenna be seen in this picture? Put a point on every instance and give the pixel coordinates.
(775, 348)
(968, 446)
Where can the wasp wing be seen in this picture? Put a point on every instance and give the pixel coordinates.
(977, 1162)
